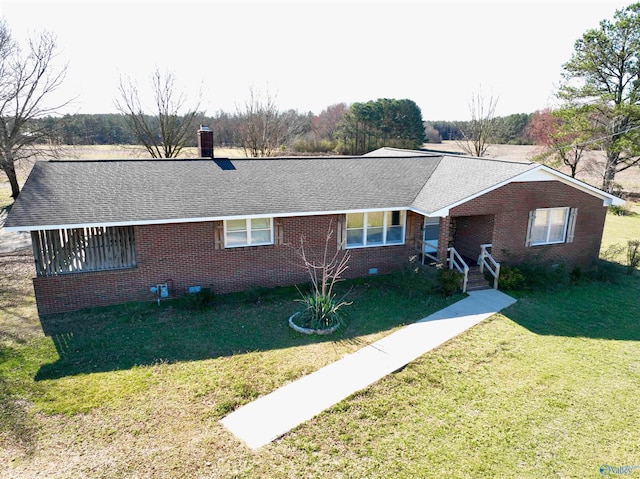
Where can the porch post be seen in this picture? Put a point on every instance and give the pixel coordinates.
(443, 239)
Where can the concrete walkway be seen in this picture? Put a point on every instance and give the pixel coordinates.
(273, 415)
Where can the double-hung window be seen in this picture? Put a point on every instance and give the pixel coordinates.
(375, 228)
(551, 226)
(248, 232)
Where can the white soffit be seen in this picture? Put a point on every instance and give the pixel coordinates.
(538, 175)
(544, 173)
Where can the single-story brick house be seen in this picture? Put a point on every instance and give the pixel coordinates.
(109, 231)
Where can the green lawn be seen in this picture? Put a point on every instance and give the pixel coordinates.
(620, 229)
(549, 388)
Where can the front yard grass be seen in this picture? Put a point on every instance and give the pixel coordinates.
(620, 229)
(549, 388)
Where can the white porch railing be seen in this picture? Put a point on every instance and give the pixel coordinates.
(428, 250)
(492, 265)
(456, 261)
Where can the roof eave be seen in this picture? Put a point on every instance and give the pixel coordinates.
(160, 221)
(444, 211)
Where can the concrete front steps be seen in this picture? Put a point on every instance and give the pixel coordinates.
(476, 280)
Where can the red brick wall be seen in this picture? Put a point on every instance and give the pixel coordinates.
(471, 232)
(510, 206)
(185, 254)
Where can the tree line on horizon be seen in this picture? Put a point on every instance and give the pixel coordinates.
(310, 133)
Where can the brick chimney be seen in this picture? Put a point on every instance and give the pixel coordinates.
(205, 142)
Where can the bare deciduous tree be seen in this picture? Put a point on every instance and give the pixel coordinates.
(27, 78)
(325, 125)
(166, 131)
(262, 128)
(483, 125)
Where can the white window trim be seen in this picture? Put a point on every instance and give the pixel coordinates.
(567, 215)
(384, 230)
(249, 235)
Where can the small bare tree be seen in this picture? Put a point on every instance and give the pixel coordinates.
(483, 126)
(27, 78)
(325, 271)
(165, 132)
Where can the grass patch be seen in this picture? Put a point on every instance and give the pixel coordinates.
(122, 358)
(5, 196)
(145, 334)
(620, 229)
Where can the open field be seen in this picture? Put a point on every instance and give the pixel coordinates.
(100, 152)
(547, 389)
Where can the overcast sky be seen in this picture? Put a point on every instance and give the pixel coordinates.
(310, 55)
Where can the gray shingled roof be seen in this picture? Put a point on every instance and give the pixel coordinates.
(461, 177)
(73, 193)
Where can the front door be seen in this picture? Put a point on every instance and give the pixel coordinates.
(430, 232)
